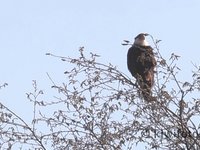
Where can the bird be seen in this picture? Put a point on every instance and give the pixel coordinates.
(141, 63)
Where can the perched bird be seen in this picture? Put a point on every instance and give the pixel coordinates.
(141, 63)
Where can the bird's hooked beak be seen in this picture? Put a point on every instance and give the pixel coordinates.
(145, 34)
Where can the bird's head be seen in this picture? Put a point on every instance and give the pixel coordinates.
(140, 39)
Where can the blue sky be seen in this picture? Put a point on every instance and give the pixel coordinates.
(31, 28)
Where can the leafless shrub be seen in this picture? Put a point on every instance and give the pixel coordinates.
(99, 107)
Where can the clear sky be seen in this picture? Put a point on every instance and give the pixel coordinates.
(31, 28)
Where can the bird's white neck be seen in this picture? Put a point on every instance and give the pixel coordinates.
(141, 42)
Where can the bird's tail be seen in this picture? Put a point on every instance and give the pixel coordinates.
(146, 84)
(146, 92)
